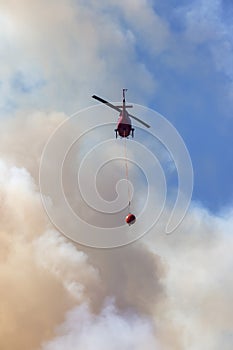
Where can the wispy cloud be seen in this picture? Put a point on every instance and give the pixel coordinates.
(205, 24)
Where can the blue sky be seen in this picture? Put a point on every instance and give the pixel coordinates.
(197, 97)
(174, 57)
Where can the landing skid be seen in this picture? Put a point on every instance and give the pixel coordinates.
(132, 133)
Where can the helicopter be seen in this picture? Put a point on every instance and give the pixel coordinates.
(124, 125)
(124, 129)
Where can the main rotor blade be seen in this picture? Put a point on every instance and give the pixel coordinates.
(107, 103)
(139, 120)
(118, 109)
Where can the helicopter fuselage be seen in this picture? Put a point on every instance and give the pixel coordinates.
(124, 126)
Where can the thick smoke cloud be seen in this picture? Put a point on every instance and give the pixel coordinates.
(170, 292)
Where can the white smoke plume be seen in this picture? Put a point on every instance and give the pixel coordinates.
(109, 330)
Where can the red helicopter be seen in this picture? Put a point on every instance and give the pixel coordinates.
(124, 125)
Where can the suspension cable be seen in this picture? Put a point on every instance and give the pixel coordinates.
(127, 170)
